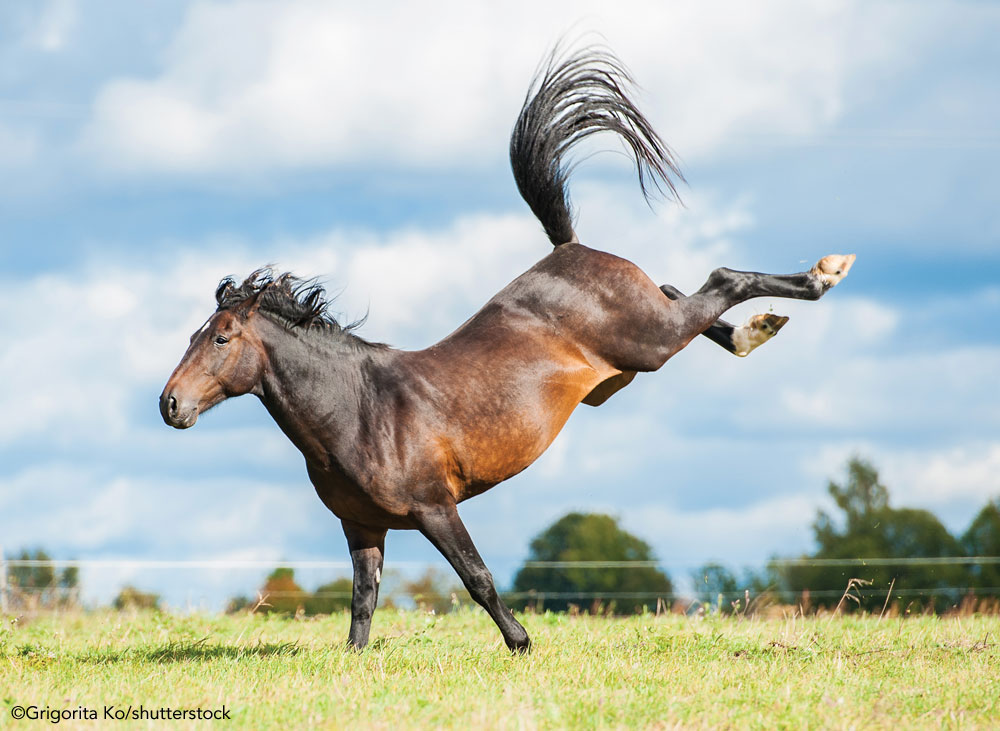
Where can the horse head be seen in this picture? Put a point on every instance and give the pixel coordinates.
(225, 358)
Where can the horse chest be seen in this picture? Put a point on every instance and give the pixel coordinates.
(349, 500)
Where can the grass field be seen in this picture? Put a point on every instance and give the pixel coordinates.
(451, 671)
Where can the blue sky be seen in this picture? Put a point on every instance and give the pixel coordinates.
(147, 152)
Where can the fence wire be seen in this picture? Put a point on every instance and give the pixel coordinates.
(72, 594)
(324, 564)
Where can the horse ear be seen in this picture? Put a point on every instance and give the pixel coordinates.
(224, 290)
(252, 304)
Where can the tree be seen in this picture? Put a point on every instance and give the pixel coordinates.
(283, 595)
(333, 596)
(983, 539)
(41, 584)
(588, 537)
(432, 591)
(870, 528)
(239, 603)
(863, 496)
(282, 592)
(131, 598)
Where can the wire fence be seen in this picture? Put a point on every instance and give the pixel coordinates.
(12, 593)
(324, 564)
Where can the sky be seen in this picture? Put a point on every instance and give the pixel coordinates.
(147, 151)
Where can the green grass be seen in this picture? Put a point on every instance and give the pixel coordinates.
(590, 672)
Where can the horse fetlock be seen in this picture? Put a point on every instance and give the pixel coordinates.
(755, 332)
(831, 269)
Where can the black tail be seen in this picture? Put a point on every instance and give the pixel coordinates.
(568, 100)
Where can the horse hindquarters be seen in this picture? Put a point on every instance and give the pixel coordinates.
(612, 311)
(627, 322)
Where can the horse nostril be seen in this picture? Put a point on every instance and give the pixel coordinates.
(172, 407)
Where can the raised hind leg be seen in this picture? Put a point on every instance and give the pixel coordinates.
(726, 288)
(738, 287)
(757, 330)
(655, 333)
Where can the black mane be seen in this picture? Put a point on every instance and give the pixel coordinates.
(300, 303)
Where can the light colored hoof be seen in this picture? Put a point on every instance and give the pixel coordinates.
(831, 269)
(756, 331)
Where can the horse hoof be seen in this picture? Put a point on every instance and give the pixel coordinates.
(831, 269)
(756, 331)
(522, 647)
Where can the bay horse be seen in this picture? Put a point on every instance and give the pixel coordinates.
(396, 439)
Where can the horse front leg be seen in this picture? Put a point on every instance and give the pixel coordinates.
(367, 548)
(443, 527)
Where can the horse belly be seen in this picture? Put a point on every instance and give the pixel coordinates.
(345, 498)
(508, 438)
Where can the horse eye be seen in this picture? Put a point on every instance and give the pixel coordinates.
(221, 340)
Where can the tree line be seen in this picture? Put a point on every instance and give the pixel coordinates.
(921, 566)
(867, 526)
(587, 562)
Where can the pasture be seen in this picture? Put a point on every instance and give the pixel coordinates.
(452, 671)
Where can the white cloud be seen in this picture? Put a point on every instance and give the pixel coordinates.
(970, 472)
(910, 392)
(72, 374)
(737, 535)
(250, 87)
(93, 513)
(56, 22)
(79, 512)
(418, 285)
(936, 478)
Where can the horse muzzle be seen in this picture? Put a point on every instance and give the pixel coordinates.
(176, 412)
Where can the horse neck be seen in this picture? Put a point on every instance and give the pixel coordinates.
(312, 388)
